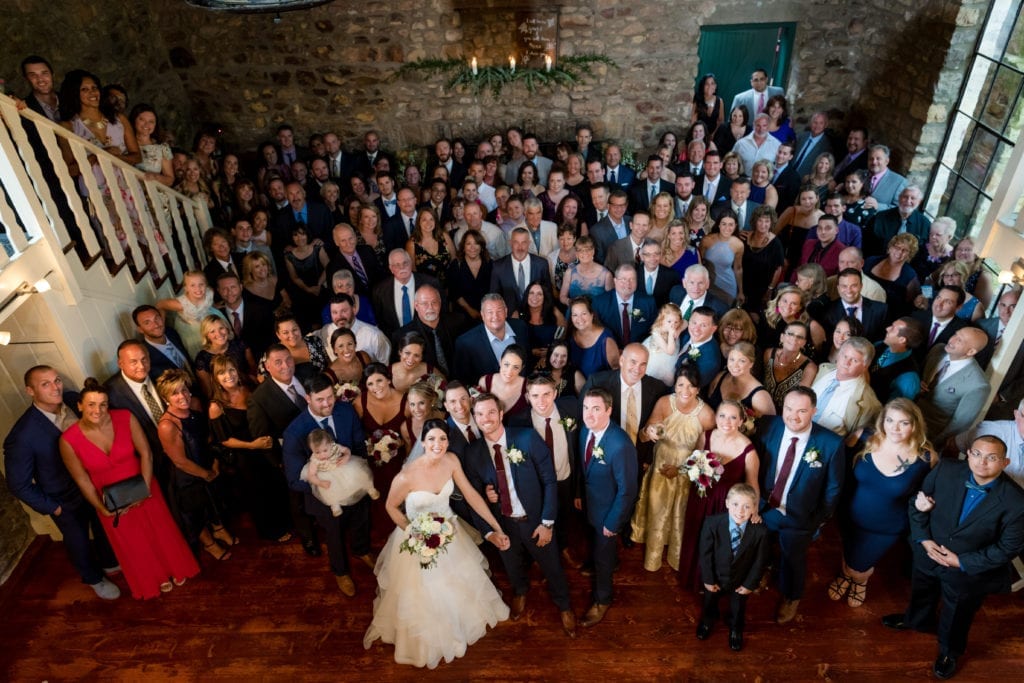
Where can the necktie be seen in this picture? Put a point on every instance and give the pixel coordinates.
(760, 103)
(236, 324)
(775, 178)
(933, 333)
(293, 394)
(843, 164)
(803, 152)
(740, 218)
(325, 424)
(601, 215)
(650, 284)
(590, 451)
(504, 495)
(940, 373)
(336, 167)
(412, 226)
(357, 265)
(654, 192)
(636, 255)
(172, 352)
(775, 499)
(874, 181)
(611, 176)
(734, 539)
(470, 436)
(689, 311)
(521, 280)
(155, 408)
(406, 306)
(825, 397)
(903, 227)
(442, 360)
(851, 311)
(625, 324)
(231, 268)
(632, 418)
(549, 436)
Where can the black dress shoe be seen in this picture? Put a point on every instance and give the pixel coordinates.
(895, 621)
(735, 640)
(703, 630)
(945, 667)
(587, 569)
(311, 547)
(627, 542)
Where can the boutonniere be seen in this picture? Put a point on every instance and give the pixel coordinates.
(812, 456)
(568, 423)
(637, 315)
(693, 353)
(599, 455)
(515, 456)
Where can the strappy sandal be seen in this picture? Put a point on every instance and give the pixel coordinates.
(213, 547)
(166, 587)
(178, 582)
(839, 587)
(223, 535)
(858, 593)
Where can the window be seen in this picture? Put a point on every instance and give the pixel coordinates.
(986, 123)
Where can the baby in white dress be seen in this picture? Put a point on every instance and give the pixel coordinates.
(337, 479)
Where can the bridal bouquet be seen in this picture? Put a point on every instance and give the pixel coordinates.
(383, 445)
(347, 391)
(703, 469)
(427, 535)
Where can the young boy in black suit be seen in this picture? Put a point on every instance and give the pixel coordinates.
(732, 558)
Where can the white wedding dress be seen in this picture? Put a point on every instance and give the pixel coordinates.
(432, 614)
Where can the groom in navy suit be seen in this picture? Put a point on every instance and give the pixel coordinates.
(801, 477)
(608, 466)
(512, 469)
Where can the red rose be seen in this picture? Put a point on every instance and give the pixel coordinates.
(433, 541)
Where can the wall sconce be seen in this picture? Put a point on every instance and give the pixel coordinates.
(1014, 276)
(5, 337)
(38, 287)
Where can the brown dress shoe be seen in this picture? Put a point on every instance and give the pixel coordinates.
(571, 561)
(369, 559)
(518, 607)
(346, 585)
(594, 615)
(569, 623)
(787, 611)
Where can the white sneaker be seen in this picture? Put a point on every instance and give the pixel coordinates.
(106, 590)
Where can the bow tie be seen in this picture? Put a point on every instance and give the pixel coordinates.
(971, 486)
(390, 202)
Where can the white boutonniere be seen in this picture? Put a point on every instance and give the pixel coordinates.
(568, 423)
(637, 315)
(599, 455)
(693, 353)
(515, 456)
(812, 456)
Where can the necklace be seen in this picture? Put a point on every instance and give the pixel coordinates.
(783, 363)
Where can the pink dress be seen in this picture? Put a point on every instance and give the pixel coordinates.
(146, 541)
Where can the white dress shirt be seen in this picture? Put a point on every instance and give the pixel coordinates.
(801, 446)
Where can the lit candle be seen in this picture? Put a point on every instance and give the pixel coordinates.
(512, 64)
(472, 65)
(547, 62)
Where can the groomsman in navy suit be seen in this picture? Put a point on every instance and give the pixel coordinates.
(513, 471)
(607, 491)
(698, 345)
(801, 477)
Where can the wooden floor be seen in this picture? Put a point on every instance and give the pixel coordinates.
(272, 614)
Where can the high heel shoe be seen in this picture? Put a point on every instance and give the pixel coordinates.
(223, 535)
(216, 551)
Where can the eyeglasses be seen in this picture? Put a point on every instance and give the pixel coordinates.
(618, 205)
(987, 458)
(795, 336)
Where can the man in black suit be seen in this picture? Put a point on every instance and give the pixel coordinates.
(872, 314)
(811, 143)
(290, 152)
(439, 346)
(358, 259)
(512, 469)
(166, 350)
(132, 389)
(250, 316)
(940, 322)
(37, 476)
(585, 145)
(479, 350)
(654, 279)
(738, 202)
(339, 165)
(966, 527)
(904, 217)
(439, 202)
(856, 158)
(272, 406)
(393, 296)
(366, 160)
(443, 157)
(786, 180)
(398, 228)
(715, 186)
(315, 217)
(643, 192)
(692, 293)
(511, 275)
(556, 421)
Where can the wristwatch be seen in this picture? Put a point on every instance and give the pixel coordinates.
(548, 525)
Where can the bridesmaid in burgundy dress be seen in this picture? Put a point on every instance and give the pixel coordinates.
(108, 446)
(740, 460)
(382, 410)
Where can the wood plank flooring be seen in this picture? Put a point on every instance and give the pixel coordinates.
(272, 614)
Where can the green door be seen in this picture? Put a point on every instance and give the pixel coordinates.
(733, 51)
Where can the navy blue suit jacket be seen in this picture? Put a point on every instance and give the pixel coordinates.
(503, 278)
(710, 300)
(815, 491)
(624, 176)
(474, 355)
(708, 363)
(348, 431)
(608, 484)
(607, 308)
(568, 406)
(35, 472)
(874, 316)
(534, 478)
(158, 361)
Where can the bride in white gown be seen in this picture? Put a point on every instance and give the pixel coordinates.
(434, 614)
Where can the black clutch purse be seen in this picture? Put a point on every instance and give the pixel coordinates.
(124, 493)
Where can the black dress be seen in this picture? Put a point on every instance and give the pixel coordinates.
(196, 500)
(758, 266)
(462, 284)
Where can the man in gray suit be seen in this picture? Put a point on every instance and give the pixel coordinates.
(812, 143)
(885, 185)
(756, 99)
(954, 387)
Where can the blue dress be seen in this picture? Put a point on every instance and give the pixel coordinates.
(874, 515)
(591, 359)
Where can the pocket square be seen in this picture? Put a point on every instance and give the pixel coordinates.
(814, 465)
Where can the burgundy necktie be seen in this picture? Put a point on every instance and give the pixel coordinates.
(590, 451)
(625, 324)
(505, 497)
(549, 436)
(775, 499)
(236, 324)
(470, 436)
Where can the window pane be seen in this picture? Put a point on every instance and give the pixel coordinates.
(961, 204)
(939, 196)
(1015, 46)
(998, 27)
(1001, 99)
(959, 137)
(974, 225)
(978, 85)
(1016, 122)
(997, 166)
(977, 163)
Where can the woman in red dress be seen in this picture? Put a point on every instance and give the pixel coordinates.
(105, 447)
